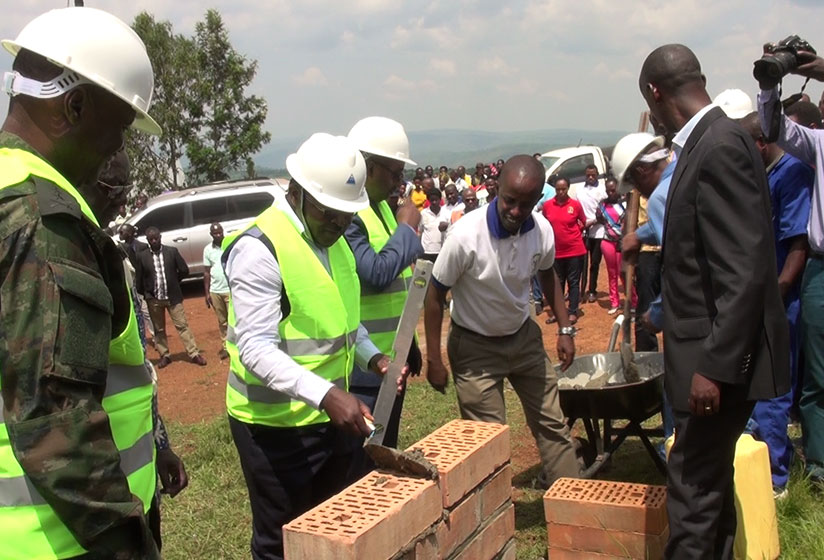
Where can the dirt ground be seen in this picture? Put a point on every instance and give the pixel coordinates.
(189, 393)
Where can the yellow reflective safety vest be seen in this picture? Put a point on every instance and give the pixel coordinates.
(319, 333)
(381, 310)
(29, 528)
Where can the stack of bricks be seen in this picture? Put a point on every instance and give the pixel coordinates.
(602, 520)
(467, 514)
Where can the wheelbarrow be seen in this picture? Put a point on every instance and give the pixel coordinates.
(593, 389)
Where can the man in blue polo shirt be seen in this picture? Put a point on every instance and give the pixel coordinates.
(791, 181)
(490, 257)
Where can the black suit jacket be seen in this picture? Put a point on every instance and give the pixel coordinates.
(723, 314)
(132, 249)
(175, 267)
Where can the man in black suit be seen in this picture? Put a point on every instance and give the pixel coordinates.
(725, 331)
(130, 243)
(158, 274)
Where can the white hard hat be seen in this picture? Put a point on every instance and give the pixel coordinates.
(332, 170)
(99, 47)
(735, 103)
(628, 151)
(381, 137)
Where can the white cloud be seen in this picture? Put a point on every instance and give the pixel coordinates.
(523, 86)
(396, 82)
(442, 66)
(522, 64)
(312, 76)
(496, 66)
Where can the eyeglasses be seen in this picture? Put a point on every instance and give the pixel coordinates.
(328, 213)
(114, 192)
(394, 173)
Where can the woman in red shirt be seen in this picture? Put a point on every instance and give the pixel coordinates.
(567, 218)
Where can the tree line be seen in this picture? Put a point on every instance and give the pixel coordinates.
(200, 102)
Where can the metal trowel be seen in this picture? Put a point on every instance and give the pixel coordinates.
(386, 457)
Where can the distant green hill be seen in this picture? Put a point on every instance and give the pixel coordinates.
(461, 147)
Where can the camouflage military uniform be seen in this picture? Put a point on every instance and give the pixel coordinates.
(57, 313)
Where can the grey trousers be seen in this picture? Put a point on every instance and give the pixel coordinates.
(479, 366)
(157, 310)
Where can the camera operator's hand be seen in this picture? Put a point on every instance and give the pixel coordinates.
(810, 66)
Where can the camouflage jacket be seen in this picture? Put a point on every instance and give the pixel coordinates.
(57, 313)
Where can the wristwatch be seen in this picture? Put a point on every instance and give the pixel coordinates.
(569, 331)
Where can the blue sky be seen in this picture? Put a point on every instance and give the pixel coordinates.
(470, 64)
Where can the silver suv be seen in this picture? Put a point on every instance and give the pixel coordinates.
(183, 217)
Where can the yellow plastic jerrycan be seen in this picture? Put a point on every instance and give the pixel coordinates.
(756, 537)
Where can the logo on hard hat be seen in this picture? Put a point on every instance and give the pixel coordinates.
(350, 180)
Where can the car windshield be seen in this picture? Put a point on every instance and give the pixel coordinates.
(549, 161)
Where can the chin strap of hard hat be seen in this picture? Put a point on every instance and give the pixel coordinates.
(16, 84)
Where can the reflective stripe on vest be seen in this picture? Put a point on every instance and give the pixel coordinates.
(29, 528)
(381, 310)
(319, 333)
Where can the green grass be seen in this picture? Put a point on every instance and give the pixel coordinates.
(211, 518)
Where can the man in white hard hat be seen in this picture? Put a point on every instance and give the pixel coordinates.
(735, 103)
(77, 470)
(294, 335)
(643, 161)
(384, 246)
(791, 181)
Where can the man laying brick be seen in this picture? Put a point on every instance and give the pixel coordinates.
(491, 256)
(294, 334)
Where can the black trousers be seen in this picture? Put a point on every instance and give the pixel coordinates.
(648, 287)
(700, 492)
(592, 262)
(569, 272)
(289, 471)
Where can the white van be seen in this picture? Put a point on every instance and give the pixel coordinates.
(183, 217)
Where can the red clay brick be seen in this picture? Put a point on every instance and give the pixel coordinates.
(603, 504)
(496, 491)
(425, 548)
(492, 538)
(509, 552)
(465, 453)
(562, 554)
(460, 523)
(619, 543)
(373, 518)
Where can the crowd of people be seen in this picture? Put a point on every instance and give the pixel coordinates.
(309, 295)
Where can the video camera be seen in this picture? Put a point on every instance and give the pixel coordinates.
(779, 60)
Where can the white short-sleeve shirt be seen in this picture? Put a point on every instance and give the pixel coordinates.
(489, 270)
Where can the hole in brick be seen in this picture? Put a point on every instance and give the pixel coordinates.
(341, 518)
(432, 454)
(469, 431)
(390, 484)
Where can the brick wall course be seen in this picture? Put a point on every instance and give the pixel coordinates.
(618, 543)
(465, 453)
(372, 519)
(603, 504)
(494, 535)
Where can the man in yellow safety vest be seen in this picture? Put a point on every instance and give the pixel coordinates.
(384, 246)
(77, 465)
(294, 335)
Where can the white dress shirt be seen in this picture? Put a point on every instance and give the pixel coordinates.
(256, 287)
